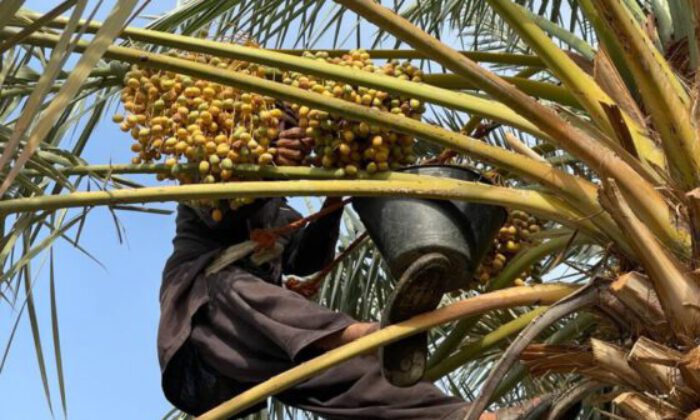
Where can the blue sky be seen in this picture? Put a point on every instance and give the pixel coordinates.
(108, 316)
(108, 313)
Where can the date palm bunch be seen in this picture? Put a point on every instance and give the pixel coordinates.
(583, 113)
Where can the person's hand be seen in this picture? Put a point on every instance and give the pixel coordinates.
(293, 145)
(351, 333)
(358, 330)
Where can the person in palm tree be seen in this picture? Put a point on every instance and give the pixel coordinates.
(227, 323)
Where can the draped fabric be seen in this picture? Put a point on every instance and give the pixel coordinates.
(225, 332)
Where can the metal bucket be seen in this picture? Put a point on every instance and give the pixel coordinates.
(403, 229)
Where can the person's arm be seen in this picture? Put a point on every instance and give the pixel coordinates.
(312, 248)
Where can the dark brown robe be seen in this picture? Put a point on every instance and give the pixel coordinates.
(223, 333)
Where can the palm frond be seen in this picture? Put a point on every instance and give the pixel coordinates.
(581, 242)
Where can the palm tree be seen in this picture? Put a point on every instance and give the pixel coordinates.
(583, 111)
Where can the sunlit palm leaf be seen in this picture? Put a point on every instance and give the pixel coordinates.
(360, 283)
